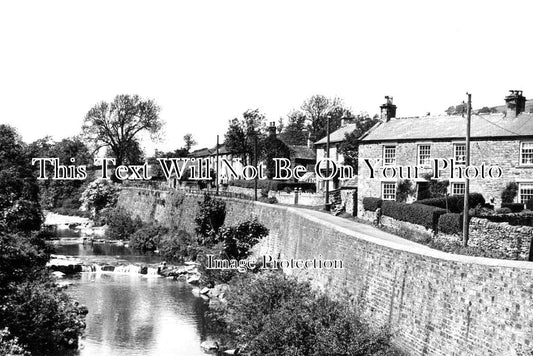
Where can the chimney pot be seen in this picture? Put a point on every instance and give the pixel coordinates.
(388, 110)
(515, 103)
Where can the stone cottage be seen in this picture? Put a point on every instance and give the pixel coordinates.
(414, 148)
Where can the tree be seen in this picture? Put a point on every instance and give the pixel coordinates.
(19, 192)
(350, 146)
(294, 132)
(316, 109)
(56, 193)
(189, 141)
(457, 109)
(242, 133)
(118, 124)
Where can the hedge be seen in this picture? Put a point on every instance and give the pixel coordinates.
(514, 207)
(420, 214)
(372, 204)
(274, 185)
(451, 223)
(455, 202)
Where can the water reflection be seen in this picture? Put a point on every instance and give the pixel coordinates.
(132, 314)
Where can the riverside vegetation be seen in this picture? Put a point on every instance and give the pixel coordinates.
(36, 316)
(260, 313)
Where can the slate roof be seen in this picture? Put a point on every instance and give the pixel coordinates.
(302, 152)
(451, 127)
(337, 135)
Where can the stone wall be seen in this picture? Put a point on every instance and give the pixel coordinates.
(307, 199)
(512, 241)
(436, 303)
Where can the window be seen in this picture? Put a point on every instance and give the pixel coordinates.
(526, 153)
(459, 153)
(424, 155)
(388, 191)
(525, 192)
(389, 155)
(458, 188)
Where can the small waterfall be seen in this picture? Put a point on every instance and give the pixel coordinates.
(122, 269)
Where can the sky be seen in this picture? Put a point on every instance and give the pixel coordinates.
(205, 62)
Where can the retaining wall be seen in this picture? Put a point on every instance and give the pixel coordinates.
(436, 303)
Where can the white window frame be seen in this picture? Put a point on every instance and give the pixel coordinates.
(524, 185)
(383, 184)
(521, 162)
(455, 146)
(454, 185)
(385, 147)
(419, 155)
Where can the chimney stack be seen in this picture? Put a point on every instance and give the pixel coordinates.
(388, 110)
(272, 129)
(515, 103)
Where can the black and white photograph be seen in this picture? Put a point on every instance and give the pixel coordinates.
(266, 178)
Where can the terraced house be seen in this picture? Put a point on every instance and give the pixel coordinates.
(502, 139)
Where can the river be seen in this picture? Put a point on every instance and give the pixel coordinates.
(130, 313)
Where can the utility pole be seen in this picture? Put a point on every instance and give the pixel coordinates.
(327, 206)
(255, 159)
(467, 162)
(218, 167)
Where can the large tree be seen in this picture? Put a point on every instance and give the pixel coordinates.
(242, 133)
(317, 109)
(189, 141)
(118, 124)
(295, 132)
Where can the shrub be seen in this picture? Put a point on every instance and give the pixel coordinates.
(120, 225)
(420, 214)
(239, 239)
(503, 211)
(209, 218)
(372, 204)
(514, 207)
(404, 189)
(10, 346)
(509, 193)
(451, 223)
(146, 238)
(454, 203)
(99, 194)
(274, 314)
(177, 245)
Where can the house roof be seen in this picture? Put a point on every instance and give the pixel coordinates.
(451, 127)
(302, 152)
(202, 152)
(337, 135)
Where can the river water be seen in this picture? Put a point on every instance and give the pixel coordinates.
(133, 314)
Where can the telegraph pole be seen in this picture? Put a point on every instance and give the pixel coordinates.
(467, 162)
(327, 206)
(255, 159)
(218, 167)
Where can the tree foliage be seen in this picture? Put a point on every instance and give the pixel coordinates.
(117, 124)
(274, 314)
(242, 133)
(99, 194)
(19, 192)
(56, 193)
(350, 146)
(239, 239)
(209, 218)
(295, 132)
(189, 141)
